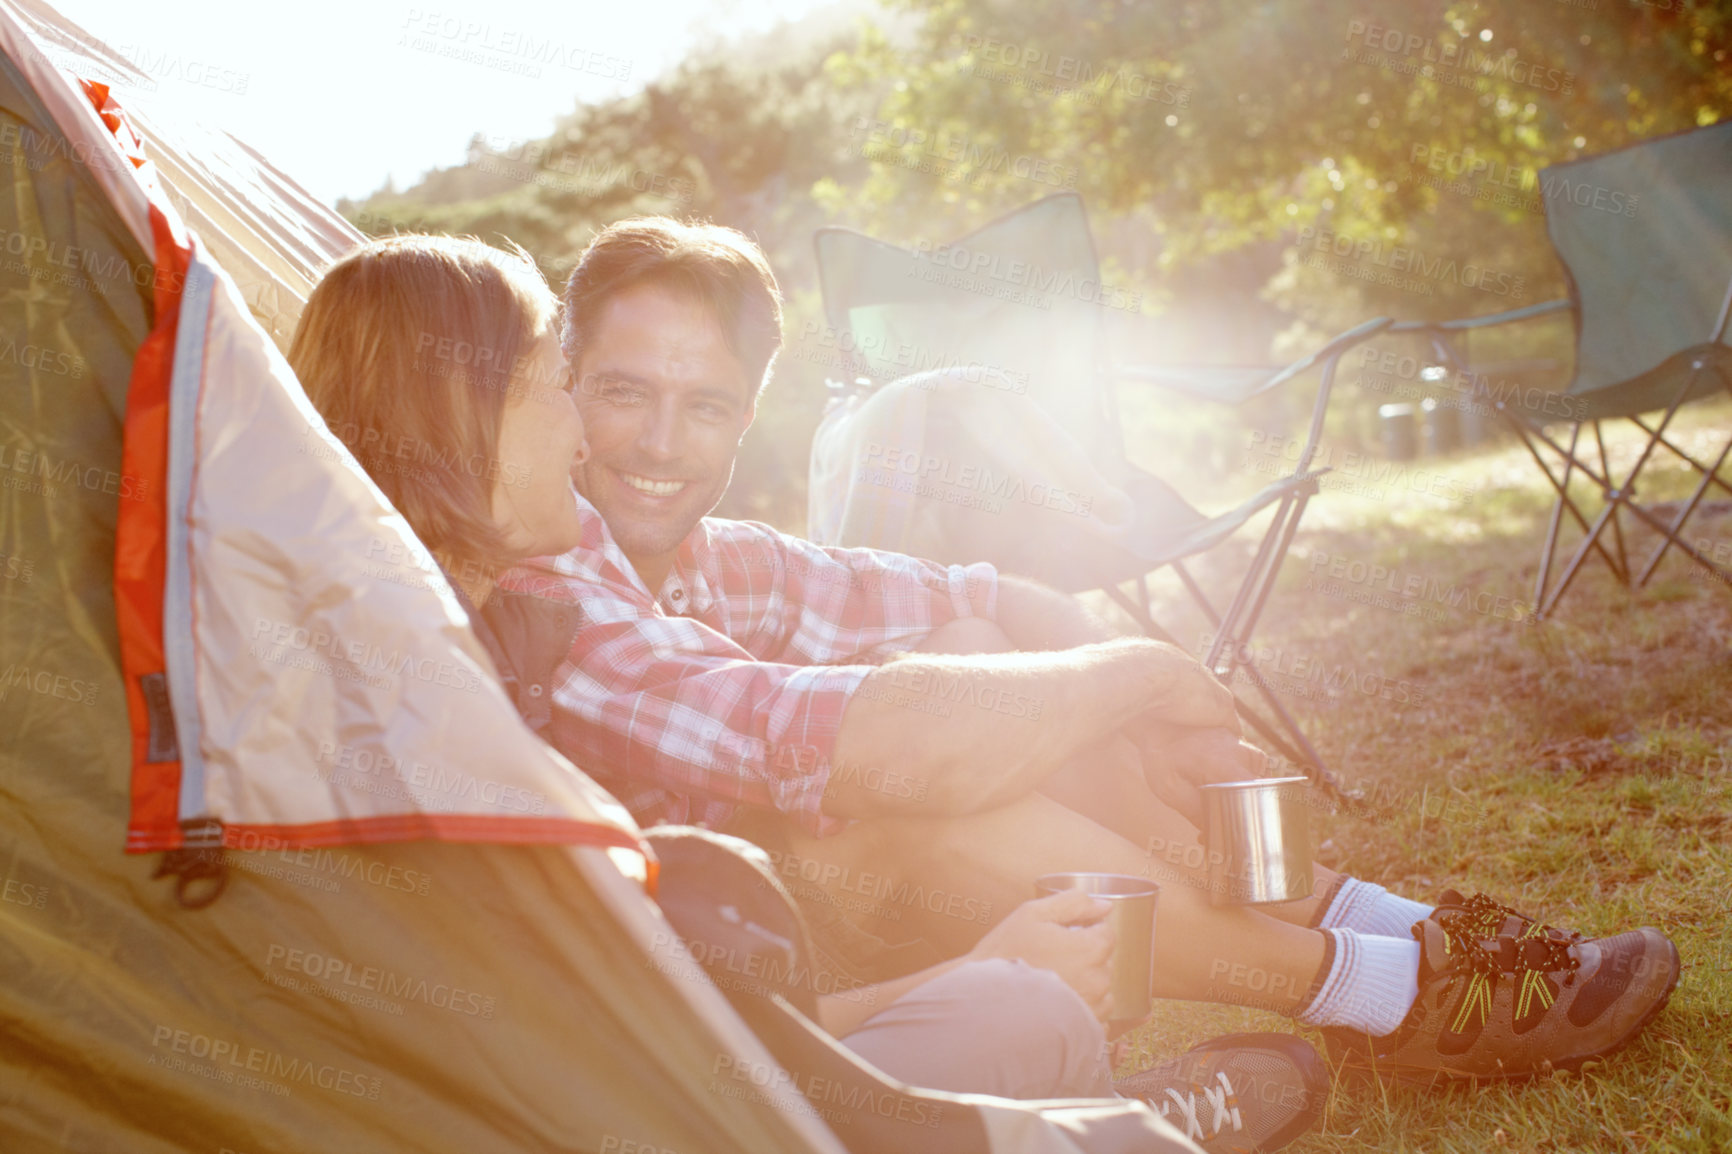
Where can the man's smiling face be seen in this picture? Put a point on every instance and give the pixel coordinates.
(665, 403)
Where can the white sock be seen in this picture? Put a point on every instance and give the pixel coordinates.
(1370, 985)
(1368, 908)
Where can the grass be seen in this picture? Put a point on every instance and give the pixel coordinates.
(1579, 769)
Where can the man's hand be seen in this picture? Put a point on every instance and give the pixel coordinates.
(1064, 933)
(1180, 690)
(1179, 758)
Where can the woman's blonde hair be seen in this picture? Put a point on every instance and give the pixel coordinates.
(408, 347)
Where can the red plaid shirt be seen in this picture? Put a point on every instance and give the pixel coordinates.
(728, 688)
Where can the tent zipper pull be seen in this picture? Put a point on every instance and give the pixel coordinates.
(200, 859)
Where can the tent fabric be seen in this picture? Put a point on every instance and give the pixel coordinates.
(1645, 234)
(270, 235)
(322, 680)
(424, 995)
(419, 996)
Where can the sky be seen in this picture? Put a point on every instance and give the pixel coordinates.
(342, 94)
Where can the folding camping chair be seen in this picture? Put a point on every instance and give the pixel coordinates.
(1645, 238)
(970, 303)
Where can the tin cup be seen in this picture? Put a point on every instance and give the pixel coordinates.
(1132, 918)
(1258, 835)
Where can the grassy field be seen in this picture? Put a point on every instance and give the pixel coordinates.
(1579, 769)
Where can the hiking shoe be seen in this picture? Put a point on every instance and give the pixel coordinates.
(1514, 1006)
(1239, 1093)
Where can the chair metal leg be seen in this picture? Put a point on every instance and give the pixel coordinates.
(1283, 734)
(1246, 588)
(1710, 477)
(1277, 559)
(1576, 559)
(1620, 496)
(1659, 526)
(1685, 457)
(1605, 484)
(1557, 520)
(1290, 742)
(1671, 535)
(1197, 595)
(1528, 436)
(1617, 525)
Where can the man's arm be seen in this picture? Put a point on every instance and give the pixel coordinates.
(969, 733)
(1038, 619)
(805, 604)
(1175, 752)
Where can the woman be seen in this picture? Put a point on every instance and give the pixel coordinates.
(436, 360)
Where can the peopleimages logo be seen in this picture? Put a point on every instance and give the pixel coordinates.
(229, 1060)
(1283, 671)
(885, 892)
(41, 359)
(1041, 283)
(515, 50)
(1463, 60)
(1274, 454)
(754, 972)
(1486, 179)
(1402, 259)
(1028, 66)
(1470, 388)
(333, 972)
(85, 268)
(1408, 589)
(536, 162)
(872, 355)
(46, 683)
(282, 642)
(772, 1083)
(434, 787)
(36, 472)
(944, 478)
(954, 154)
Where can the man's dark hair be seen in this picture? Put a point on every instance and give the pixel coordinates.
(720, 268)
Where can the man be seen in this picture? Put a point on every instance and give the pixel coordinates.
(806, 698)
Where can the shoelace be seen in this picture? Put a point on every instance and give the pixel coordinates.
(1463, 938)
(1487, 918)
(1224, 1102)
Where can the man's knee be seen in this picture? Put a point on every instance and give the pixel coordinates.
(966, 635)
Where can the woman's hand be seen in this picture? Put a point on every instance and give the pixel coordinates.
(1179, 758)
(1065, 933)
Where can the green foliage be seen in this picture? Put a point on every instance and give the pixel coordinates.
(1220, 126)
(1215, 144)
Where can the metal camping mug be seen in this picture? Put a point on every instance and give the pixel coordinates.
(1132, 918)
(1259, 841)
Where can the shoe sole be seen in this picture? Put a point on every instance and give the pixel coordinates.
(1355, 1070)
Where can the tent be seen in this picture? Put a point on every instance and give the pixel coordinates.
(220, 644)
(220, 633)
